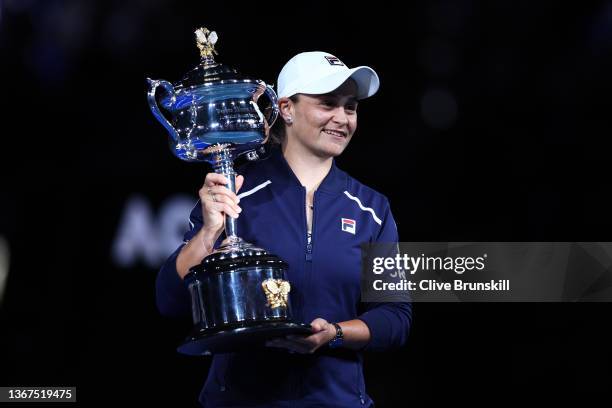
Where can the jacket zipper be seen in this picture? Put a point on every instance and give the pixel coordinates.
(309, 245)
(298, 383)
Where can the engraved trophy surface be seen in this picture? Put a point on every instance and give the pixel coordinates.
(239, 293)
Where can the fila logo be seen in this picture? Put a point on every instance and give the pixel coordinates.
(348, 225)
(333, 61)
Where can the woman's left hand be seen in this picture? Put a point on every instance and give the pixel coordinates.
(323, 333)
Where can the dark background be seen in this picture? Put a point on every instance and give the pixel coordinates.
(492, 123)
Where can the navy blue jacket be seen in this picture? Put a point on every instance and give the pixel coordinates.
(325, 282)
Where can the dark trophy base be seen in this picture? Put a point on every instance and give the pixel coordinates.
(240, 299)
(253, 336)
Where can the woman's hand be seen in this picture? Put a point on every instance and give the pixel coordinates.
(217, 200)
(323, 333)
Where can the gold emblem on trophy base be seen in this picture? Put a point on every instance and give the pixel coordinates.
(277, 291)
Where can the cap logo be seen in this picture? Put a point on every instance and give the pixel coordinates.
(333, 61)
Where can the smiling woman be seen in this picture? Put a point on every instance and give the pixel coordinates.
(314, 216)
(324, 124)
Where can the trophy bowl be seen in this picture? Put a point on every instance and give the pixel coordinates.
(213, 106)
(240, 296)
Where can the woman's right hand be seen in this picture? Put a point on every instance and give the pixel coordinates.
(217, 200)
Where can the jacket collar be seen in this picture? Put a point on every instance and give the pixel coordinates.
(335, 182)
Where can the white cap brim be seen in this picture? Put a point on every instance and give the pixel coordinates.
(365, 77)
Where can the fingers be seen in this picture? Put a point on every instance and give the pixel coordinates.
(239, 181)
(318, 325)
(218, 203)
(217, 183)
(220, 198)
(300, 344)
(217, 200)
(223, 207)
(213, 179)
(223, 194)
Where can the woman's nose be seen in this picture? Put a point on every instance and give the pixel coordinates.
(340, 116)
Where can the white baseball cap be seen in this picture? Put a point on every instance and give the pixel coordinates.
(319, 72)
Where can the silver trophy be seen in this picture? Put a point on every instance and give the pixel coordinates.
(240, 295)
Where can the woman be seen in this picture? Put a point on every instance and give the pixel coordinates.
(313, 215)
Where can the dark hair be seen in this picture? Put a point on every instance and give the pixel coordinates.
(277, 132)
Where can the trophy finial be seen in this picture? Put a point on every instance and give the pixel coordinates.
(206, 41)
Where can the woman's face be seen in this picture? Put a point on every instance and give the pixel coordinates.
(324, 124)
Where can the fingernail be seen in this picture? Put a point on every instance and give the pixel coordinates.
(237, 200)
(239, 209)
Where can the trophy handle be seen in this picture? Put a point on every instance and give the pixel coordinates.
(153, 84)
(274, 100)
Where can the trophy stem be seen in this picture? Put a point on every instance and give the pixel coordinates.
(224, 164)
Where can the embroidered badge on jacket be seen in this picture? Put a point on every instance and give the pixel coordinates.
(348, 225)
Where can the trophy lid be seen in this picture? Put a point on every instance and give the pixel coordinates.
(208, 71)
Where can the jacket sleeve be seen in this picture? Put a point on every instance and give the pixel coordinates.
(171, 293)
(389, 322)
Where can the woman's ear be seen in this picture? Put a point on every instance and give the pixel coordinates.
(285, 107)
